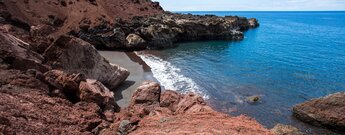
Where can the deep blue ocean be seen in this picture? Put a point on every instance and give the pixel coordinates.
(291, 58)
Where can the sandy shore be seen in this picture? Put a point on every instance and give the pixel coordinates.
(139, 72)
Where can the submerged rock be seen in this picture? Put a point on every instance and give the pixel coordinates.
(74, 55)
(327, 111)
(253, 99)
(281, 129)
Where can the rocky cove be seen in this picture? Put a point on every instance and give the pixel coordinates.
(54, 81)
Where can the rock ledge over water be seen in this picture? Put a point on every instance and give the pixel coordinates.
(327, 111)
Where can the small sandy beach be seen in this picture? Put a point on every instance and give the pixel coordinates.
(139, 72)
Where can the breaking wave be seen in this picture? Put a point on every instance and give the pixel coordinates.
(170, 77)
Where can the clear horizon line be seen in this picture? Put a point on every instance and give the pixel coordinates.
(257, 11)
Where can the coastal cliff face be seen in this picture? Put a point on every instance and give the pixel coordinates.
(163, 30)
(124, 24)
(54, 82)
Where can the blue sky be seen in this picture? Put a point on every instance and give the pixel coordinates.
(252, 5)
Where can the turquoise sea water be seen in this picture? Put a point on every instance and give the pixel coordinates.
(292, 57)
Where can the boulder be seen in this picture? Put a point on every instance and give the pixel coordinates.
(253, 99)
(281, 129)
(148, 93)
(135, 41)
(192, 103)
(16, 52)
(66, 84)
(326, 111)
(74, 55)
(253, 22)
(95, 92)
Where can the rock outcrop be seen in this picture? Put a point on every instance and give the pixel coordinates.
(74, 55)
(162, 31)
(327, 111)
(17, 53)
(169, 112)
(64, 85)
(65, 16)
(94, 91)
(52, 102)
(32, 111)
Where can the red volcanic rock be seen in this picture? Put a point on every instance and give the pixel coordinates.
(148, 93)
(16, 53)
(32, 111)
(199, 123)
(74, 55)
(62, 80)
(41, 30)
(170, 99)
(65, 85)
(66, 15)
(94, 91)
(28, 79)
(327, 111)
(174, 113)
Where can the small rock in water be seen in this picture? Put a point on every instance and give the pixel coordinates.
(281, 129)
(253, 99)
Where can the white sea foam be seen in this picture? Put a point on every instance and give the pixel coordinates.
(169, 76)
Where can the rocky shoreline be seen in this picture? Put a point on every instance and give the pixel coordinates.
(163, 30)
(326, 111)
(54, 81)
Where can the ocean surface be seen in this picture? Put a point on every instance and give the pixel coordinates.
(291, 58)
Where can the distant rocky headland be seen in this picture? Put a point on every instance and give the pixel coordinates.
(54, 81)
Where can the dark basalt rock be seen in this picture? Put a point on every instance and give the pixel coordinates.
(162, 31)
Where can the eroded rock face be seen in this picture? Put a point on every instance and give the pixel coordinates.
(16, 53)
(162, 31)
(327, 111)
(74, 55)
